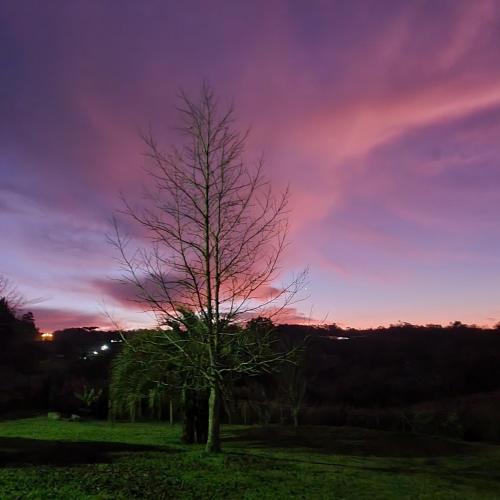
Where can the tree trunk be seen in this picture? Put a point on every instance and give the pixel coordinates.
(171, 415)
(111, 411)
(244, 411)
(295, 414)
(188, 417)
(213, 441)
(229, 412)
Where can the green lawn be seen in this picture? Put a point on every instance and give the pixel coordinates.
(57, 459)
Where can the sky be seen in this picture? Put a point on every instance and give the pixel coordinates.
(383, 116)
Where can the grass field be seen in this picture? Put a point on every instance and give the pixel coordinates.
(68, 460)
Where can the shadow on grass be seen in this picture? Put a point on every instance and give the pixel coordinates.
(397, 448)
(350, 441)
(19, 452)
(458, 475)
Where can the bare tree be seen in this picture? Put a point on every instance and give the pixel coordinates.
(10, 294)
(216, 232)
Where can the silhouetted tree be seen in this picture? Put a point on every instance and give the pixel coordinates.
(11, 296)
(149, 368)
(14, 330)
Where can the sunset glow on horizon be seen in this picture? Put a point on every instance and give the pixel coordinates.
(383, 117)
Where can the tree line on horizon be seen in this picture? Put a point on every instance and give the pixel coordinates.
(404, 377)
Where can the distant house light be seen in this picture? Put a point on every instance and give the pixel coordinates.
(104, 347)
(95, 353)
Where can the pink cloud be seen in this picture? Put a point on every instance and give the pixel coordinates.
(383, 118)
(50, 319)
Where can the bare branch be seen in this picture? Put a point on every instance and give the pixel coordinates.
(216, 233)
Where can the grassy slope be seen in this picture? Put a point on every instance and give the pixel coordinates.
(48, 459)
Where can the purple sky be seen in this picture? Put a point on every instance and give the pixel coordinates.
(384, 116)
